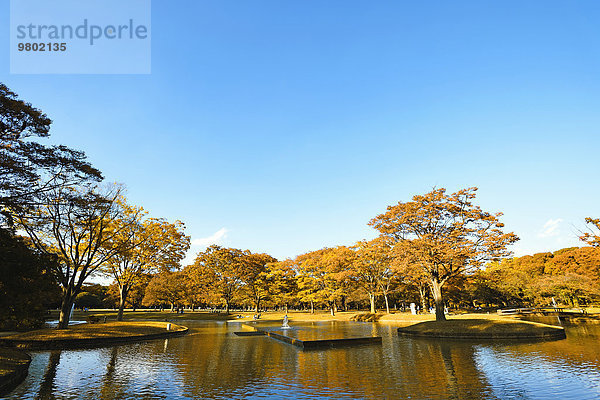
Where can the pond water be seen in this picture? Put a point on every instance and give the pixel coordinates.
(212, 363)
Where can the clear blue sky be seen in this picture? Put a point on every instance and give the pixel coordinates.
(283, 127)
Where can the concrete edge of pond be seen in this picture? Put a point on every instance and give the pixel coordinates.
(309, 344)
(17, 362)
(63, 344)
(323, 343)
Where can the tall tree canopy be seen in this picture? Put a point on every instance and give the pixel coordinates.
(324, 275)
(445, 234)
(28, 168)
(256, 278)
(145, 245)
(26, 283)
(222, 270)
(371, 268)
(75, 225)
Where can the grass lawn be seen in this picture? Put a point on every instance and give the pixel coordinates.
(128, 315)
(206, 316)
(498, 327)
(97, 331)
(400, 318)
(396, 318)
(13, 369)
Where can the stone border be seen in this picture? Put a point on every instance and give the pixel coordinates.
(312, 344)
(309, 344)
(11, 380)
(63, 344)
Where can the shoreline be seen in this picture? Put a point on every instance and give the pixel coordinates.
(92, 335)
(14, 367)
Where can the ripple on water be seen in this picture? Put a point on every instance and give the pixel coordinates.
(213, 363)
(536, 376)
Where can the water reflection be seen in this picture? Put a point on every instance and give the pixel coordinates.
(47, 387)
(211, 362)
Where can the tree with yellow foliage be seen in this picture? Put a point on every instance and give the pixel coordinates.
(446, 235)
(593, 237)
(147, 245)
(283, 285)
(222, 271)
(324, 275)
(371, 268)
(74, 225)
(255, 275)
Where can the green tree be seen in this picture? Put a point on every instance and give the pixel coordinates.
(28, 168)
(88, 299)
(26, 283)
(445, 235)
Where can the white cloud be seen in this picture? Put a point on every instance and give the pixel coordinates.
(550, 228)
(215, 238)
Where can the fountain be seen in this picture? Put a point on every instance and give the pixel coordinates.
(285, 322)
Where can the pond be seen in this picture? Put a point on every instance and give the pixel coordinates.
(213, 363)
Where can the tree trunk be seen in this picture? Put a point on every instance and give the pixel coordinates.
(422, 290)
(436, 287)
(312, 307)
(333, 308)
(227, 307)
(372, 300)
(387, 304)
(256, 305)
(124, 290)
(65, 311)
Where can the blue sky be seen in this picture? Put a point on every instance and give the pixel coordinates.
(284, 127)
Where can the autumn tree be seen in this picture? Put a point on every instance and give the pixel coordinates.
(225, 269)
(283, 285)
(408, 269)
(389, 281)
(255, 276)
(446, 235)
(74, 225)
(570, 289)
(534, 279)
(201, 282)
(371, 268)
(166, 287)
(146, 245)
(593, 236)
(323, 275)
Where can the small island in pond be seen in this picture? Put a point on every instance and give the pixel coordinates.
(484, 329)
